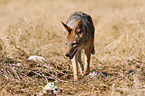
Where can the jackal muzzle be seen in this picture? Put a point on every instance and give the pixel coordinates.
(72, 54)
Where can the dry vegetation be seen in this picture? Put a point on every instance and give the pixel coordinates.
(32, 27)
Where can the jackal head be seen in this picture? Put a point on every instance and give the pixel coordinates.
(74, 40)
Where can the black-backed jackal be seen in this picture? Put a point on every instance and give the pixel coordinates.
(80, 35)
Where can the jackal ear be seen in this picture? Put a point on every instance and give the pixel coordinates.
(67, 28)
(79, 29)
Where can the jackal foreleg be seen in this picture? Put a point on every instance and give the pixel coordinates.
(75, 67)
(80, 62)
(87, 61)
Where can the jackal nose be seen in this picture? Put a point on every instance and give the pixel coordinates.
(67, 55)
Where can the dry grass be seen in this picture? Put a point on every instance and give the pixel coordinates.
(32, 27)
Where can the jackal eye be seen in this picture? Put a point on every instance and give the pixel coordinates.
(78, 31)
(74, 44)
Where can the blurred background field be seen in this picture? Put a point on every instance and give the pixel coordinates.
(32, 27)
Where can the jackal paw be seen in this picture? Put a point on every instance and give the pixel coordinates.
(86, 73)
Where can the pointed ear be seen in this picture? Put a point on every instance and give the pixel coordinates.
(79, 27)
(67, 28)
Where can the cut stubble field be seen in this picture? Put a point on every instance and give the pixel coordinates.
(33, 27)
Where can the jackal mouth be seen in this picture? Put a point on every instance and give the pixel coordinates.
(71, 55)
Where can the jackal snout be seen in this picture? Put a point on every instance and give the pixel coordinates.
(71, 55)
(67, 55)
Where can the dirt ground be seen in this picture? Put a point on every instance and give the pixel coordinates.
(33, 27)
